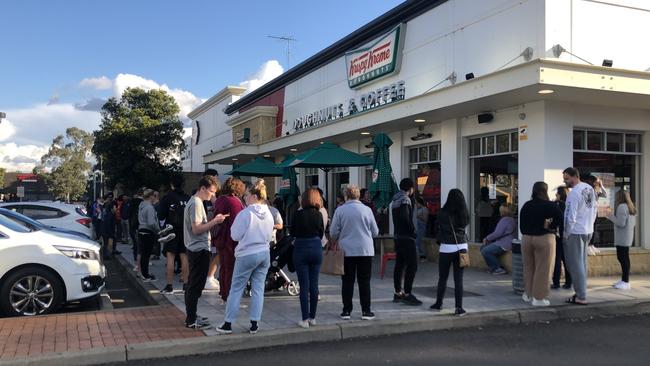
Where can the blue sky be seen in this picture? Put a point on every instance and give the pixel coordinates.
(59, 60)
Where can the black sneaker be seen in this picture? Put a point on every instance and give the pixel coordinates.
(149, 279)
(168, 290)
(398, 297)
(436, 307)
(367, 315)
(345, 315)
(567, 286)
(460, 312)
(555, 286)
(225, 328)
(254, 328)
(410, 299)
(198, 324)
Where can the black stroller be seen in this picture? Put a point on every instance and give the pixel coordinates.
(276, 278)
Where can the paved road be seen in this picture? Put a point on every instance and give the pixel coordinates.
(612, 341)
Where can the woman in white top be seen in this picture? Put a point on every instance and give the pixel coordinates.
(624, 221)
(252, 228)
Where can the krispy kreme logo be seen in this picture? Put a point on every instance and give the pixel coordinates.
(379, 58)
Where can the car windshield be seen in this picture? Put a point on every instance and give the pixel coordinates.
(21, 219)
(15, 225)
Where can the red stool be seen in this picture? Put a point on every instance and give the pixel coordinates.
(385, 258)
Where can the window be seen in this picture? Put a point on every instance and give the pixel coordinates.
(12, 225)
(612, 156)
(503, 143)
(424, 168)
(42, 212)
(311, 177)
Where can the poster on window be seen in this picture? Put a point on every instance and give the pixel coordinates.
(606, 201)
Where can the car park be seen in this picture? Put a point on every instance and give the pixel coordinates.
(40, 270)
(57, 214)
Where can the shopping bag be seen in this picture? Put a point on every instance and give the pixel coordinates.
(333, 258)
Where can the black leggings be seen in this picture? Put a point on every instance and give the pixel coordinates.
(623, 255)
(445, 262)
(406, 263)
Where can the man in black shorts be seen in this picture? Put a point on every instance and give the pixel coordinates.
(171, 210)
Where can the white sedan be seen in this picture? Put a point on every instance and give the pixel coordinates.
(41, 270)
(55, 214)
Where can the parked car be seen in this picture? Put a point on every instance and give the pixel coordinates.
(55, 214)
(40, 270)
(39, 225)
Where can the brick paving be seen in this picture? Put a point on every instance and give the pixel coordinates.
(34, 336)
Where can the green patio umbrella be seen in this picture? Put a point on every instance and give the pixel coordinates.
(383, 185)
(258, 167)
(327, 156)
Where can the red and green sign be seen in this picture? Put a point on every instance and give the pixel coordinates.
(379, 58)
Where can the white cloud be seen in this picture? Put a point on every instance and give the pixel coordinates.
(21, 158)
(7, 129)
(267, 72)
(99, 83)
(186, 101)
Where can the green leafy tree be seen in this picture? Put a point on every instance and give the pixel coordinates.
(68, 157)
(2, 177)
(140, 139)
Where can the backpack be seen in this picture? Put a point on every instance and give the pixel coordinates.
(176, 214)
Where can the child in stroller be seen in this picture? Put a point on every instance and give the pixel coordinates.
(276, 278)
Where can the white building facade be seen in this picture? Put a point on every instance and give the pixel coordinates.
(497, 94)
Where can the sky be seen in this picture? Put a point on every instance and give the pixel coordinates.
(60, 60)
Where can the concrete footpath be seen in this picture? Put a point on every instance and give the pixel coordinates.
(489, 301)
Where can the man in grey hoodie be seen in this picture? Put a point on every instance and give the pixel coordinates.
(406, 256)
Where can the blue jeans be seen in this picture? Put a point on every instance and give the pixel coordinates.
(491, 254)
(419, 243)
(253, 267)
(307, 258)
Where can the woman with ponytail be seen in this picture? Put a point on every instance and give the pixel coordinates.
(624, 221)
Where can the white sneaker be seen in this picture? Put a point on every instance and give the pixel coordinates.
(591, 251)
(526, 298)
(622, 285)
(212, 284)
(303, 324)
(595, 249)
(542, 302)
(311, 322)
(615, 284)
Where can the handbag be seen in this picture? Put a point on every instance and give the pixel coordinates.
(333, 258)
(463, 255)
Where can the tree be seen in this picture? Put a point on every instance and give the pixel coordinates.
(68, 156)
(140, 139)
(2, 177)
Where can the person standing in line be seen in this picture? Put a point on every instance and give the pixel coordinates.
(354, 227)
(453, 218)
(579, 218)
(229, 203)
(624, 221)
(124, 218)
(308, 230)
(538, 222)
(406, 255)
(172, 212)
(499, 241)
(560, 201)
(134, 225)
(252, 229)
(421, 218)
(108, 227)
(212, 283)
(601, 192)
(278, 223)
(196, 229)
(147, 232)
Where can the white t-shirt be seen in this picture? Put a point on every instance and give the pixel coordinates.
(581, 210)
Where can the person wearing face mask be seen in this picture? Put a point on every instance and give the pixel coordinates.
(252, 230)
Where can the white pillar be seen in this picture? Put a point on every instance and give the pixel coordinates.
(643, 198)
(450, 158)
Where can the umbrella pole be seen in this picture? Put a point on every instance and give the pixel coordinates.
(327, 191)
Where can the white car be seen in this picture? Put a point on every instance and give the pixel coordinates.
(40, 270)
(57, 214)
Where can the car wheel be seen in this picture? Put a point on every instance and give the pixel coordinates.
(31, 291)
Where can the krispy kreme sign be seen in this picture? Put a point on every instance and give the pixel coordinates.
(377, 59)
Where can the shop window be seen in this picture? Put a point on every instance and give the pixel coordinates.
(425, 172)
(514, 141)
(594, 140)
(474, 147)
(488, 145)
(614, 142)
(503, 143)
(311, 177)
(632, 143)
